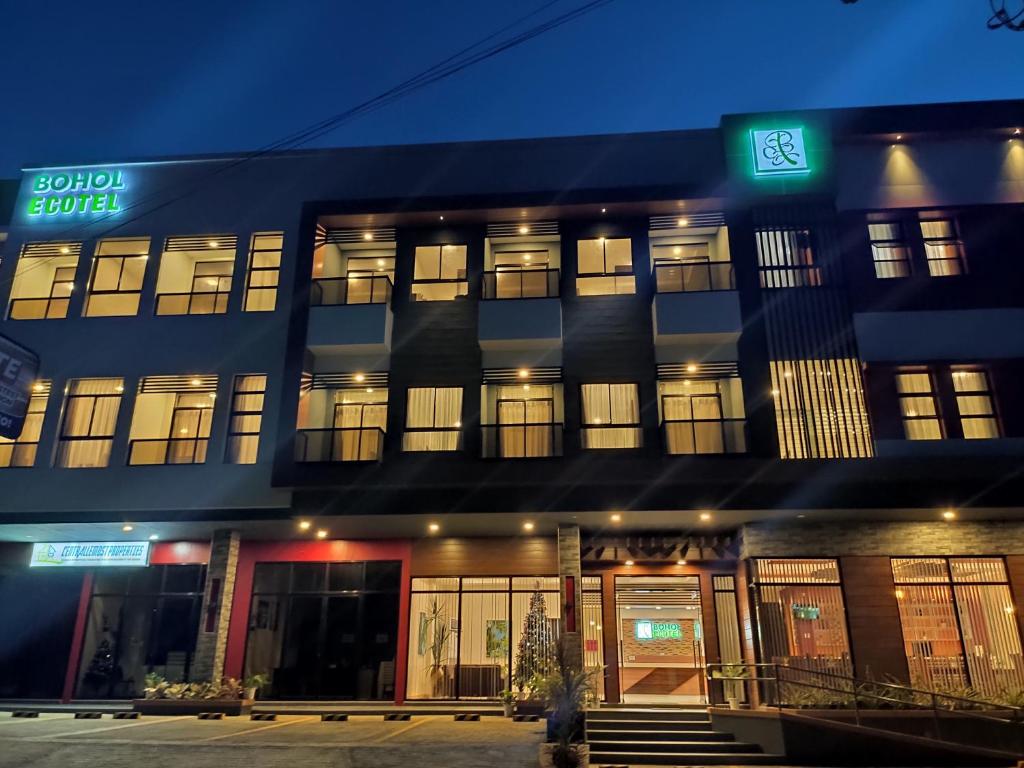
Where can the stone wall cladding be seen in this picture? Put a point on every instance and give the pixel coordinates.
(881, 538)
(211, 647)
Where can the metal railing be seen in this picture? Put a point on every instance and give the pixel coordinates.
(358, 289)
(684, 437)
(521, 284)
(194, 303)
(432, 439)
(683, 277)
(339, 444)
(611, 436)
(171, 450)
(521, 441)
(945, 717)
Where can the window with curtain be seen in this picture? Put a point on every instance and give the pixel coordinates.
(433, 419)
(21, 452)
(727, 618)
(115, 284)
(943, 248)
(975, 403)
(959, 623)
(89, 421)
(246, 418)
(263, 272)
(360, 421)
(605, 266)
(785, 259)
(889, 250)
(702, 416)
(439, 273)
(919, 404)
(172, 420)
(523, 421)
(611, 416)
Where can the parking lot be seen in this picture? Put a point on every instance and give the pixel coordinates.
(186, 742)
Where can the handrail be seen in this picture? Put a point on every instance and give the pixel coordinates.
(334, 291)
(532, 283)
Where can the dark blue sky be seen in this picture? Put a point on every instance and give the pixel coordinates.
(104, 81)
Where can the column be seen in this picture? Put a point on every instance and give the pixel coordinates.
(215, 617)
(570, 577)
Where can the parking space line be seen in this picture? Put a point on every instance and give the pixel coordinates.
(414, 724)
(87, 731)
(260, 728)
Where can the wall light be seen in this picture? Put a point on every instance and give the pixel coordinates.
(1016, 131)
(705, 516)
(433, 527)
(948, 514)
(616, 518)
(305, 525)
(527, 526)
(321, 534)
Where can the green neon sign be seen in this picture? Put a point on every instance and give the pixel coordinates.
(658, 630)
(76, 193)
(779, 152)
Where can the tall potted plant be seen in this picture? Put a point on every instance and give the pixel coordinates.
(440, 631)
(567, 691)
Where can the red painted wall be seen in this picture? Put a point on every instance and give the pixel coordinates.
(180, 553)
(252, 552)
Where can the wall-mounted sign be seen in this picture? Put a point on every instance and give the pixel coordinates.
(90, 554)
(76, 193)
(779, 152)
(806, 612)
(18, 370)
(658, 630)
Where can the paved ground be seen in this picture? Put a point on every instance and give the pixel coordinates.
(59, 741)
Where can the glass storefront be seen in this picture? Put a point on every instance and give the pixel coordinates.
(139, 621)
(470, 638)
(325, 630)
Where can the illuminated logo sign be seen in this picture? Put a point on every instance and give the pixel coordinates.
(658, 630)
(779, 152)
(76, 193)
(91, 554)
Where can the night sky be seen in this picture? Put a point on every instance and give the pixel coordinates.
(106, 81)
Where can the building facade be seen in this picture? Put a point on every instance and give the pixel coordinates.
(383, 423)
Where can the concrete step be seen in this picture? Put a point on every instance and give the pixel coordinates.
(622, 713)
(598, 732)
(675, 747)
(637, 759)
(649, 725)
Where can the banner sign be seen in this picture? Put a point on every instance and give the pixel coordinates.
(658, 630)
(90, 554)
(76, 193)
(18, 370)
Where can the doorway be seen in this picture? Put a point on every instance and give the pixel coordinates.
(661, 640)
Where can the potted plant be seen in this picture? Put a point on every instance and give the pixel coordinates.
(508, 701)
(731, 673)
(567, 690)
(252, 684)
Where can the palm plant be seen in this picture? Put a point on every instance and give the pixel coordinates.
(567, 691)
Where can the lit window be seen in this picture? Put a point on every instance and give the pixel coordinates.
(90, 418)
(689, 267)
(115, 284)
(433, 419)
(347, 271)
(521, 272)
(702, 416)
(919, 405)
(975, 403)
(785, 259)
(611, 416)
(340, 421)
(195, 275)
(439, 273)
(604, 267)
(172, 420)
(246, 419)
(522, 420)
(889, 250)
(263, 272)
(943, 248)
(21, 452)
(44, 281)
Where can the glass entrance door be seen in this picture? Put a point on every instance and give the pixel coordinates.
(661, 639)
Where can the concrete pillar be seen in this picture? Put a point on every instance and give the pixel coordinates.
(570, 577)
(215, 617)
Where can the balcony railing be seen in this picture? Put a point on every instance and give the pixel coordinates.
(429, 439)
(195, 303)
(521, 441)
(172, 450)
(339, 444)
(694, 277)
(521, 284)
(703, 436)
(367, 289)
(611, 436)
(43, 308)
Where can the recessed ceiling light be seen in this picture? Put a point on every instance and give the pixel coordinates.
(604, 210)
(801, 517)
(629, 562)
(127, 527)
(524, 373)
(433, 527)
(524, 230)
(305, 525)
(153, 537)
(37, 387)
(948, 514)
(1016, 131)
(214, 244)
(368, 236)
(65, 250)
(528, 526)
(705, 516)
(360, 377)
(440, 218)
(616, 518)
(195, 382)
(321, 534)
(680, 562)
(657, 607)
(682, 222)
(899, 137)
(691, 368)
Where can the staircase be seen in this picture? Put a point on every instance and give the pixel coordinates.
(662, 736)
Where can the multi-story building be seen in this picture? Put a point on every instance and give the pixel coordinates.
(363, 420)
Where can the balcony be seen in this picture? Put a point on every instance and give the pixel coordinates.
(687, 437)
(432, 439)
(611, 437)
(173, 450)
(350, 314)
(696, 303)
(521, 284)
(694, 276)
(521, 310)
(339, 444)
(521, 441)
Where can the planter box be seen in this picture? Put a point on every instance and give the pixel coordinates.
(230, 707)
(530, 707)
(582, 752)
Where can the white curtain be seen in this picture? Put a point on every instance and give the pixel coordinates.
(91, 412)
(437, 409)
(519, 407)
(608, 405)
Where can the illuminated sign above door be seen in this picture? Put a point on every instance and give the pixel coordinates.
(779, 152)
(90, 554)
(658, 630)
(74, 193)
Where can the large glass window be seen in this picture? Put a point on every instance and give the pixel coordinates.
(959, 623)
(470, 638)
(346, 271)
(686, 267)
(195, 275)
(341, 424)
(605, 266)
(702, 415)
(433, 419)
(21, 452)
(246, 418)
(115, 284)
(801, 618)
(521, 270)
(611, 416)
(88, 423)
(943, 248)
(975, 402)
(325, 630)
(522, 420)
(919, 404)
(593, 631)
(44, 280)
(439, 273)
(889, 250)
(263, 271)
(172, 420)
(140, 621)
(785, 259)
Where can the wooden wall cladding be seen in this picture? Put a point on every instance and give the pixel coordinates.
(527, 556)
(876, 635)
